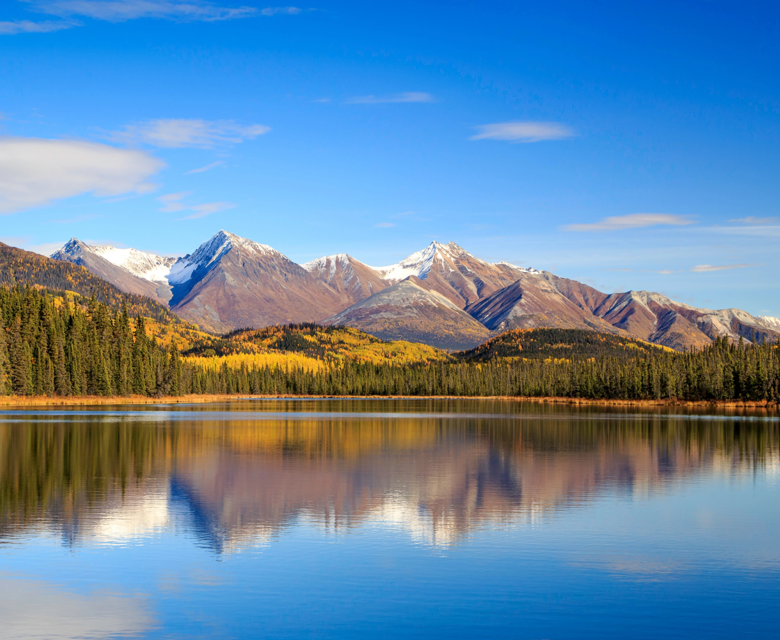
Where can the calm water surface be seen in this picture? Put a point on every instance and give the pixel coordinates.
(388, 519)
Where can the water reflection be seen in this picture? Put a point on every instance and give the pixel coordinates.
(239, 479)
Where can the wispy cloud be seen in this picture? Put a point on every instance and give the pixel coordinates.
(758, 230)
(384, 225)
(275, 11)
(755, 221)
(35, 172)
(178, 133)
(77, 219)
(173, 201)
(631, 221)
(124, 10)
(703, 268)
(203, 210)
(15, 241)
(208, 167)
(409, 96)
(30, 26)
(523, 131)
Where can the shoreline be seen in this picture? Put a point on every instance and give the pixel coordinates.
(11, 402)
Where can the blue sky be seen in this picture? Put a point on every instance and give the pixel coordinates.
(626, 145)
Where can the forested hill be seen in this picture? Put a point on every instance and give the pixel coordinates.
(19, 267)
(324, 343)
(569, 344)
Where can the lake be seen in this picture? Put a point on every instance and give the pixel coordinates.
(388, 519)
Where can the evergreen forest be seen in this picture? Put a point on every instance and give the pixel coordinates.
(59, 345)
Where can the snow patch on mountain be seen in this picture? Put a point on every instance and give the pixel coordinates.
(148, 266)
(339, 260)
(529, 270)
(420, 263)
(769, 321)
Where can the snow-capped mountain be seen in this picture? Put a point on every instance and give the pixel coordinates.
(131, 270)
(454, 272)
(147, 266)
(211, 251)
(419, 264)
(230, 282)
(346, 275)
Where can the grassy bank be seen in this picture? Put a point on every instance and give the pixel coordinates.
(24, 402)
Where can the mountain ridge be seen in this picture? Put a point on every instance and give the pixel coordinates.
(230, 282)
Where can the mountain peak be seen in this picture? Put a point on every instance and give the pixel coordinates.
(213, 250)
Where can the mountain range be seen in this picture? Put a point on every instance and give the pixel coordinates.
(443, 295)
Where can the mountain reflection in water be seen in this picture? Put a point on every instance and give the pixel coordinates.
(239, 479)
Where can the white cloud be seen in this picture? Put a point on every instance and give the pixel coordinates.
(177, 133)
(631, 221)
(755, 221)
(122, 10)
(208, 167)
(704, 268)
(29, 26)
(409, 96)
(35, 172)
(384, 225)
(523, 131)
(203, 210)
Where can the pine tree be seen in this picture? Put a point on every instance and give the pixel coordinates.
(5, 363)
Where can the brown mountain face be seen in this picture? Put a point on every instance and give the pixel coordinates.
(540, 301)
(532, 302)
(411, 310)
(347, 276)
(231, 282)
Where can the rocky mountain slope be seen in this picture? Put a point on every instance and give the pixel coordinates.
(231, 282)
(413, 310)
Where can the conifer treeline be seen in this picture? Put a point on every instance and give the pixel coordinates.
(54, 348)
(49, 346)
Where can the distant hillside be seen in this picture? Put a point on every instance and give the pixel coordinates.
(413, 310)
(19, 267)
(569, 344)
(330, 344)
